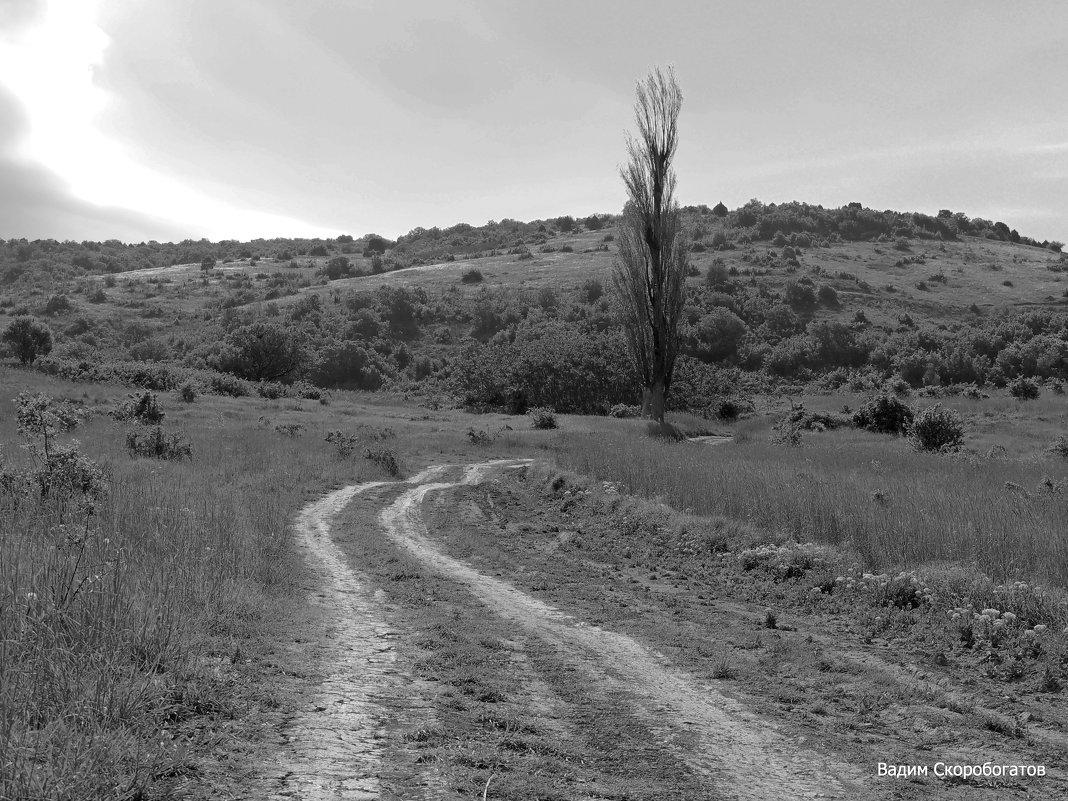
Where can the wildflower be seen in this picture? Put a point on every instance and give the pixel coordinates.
(999, 624)
(991, 613)
(31, 596)
(1040, 629)
(1009, 616)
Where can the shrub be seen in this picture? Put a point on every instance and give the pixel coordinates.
(384, 458)
(623, 410)
(271, 390)
(28, 338)
(225, 384)
(799, 295)
(344, 443)
(827, 296)
(188, 392)
(884, 414)
(302, 389)
(788, 435)
(479, 436)
(729, 409)
(61, 473)
(1059, 446)
(1024, 389)
(338, 267)
(472, 276)
(57, 304)
(542, 417)
(158, 444)
(142, 407)
(937, 429)
(591, 290)
(717, 275)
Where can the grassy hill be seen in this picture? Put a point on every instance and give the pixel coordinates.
(777, 295)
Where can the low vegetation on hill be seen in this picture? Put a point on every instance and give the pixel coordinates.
(779, 296)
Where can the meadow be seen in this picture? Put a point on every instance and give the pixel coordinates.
(139, 596)
(871, 494)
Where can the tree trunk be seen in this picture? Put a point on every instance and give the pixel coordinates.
(646, 402)
(657, 394)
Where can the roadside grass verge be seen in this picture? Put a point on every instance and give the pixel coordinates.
(892, 505)
(124, 633)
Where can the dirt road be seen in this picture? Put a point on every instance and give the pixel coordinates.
(337, 745)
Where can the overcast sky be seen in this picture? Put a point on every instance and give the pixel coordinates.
(234, 119)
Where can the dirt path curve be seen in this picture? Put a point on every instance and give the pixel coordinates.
(334, 752)
(742, 755)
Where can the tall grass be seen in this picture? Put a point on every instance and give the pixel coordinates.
(105, 617)
(873, 493)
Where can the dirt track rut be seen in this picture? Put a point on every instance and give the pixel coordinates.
(336, 749)
(742, 755)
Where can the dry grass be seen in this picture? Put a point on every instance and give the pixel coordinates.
(106, 619)
(872, 493)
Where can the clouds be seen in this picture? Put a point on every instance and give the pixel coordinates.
(268, 117)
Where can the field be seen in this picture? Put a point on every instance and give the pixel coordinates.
(370, 575)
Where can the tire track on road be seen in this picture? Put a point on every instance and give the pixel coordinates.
(741, 754)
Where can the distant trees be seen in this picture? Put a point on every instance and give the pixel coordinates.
(28, 338)
(650, 273)
(339, 267)
(376, 244)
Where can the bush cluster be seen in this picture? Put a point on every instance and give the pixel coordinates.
(158, 444)
(884, 414)
(542, 417)
(937, 429)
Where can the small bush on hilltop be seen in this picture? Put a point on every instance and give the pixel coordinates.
(158, 444)
(1024, 389)
(472, 276)
(884, 414)
(542, 417)
(937, 429)
(622, 410)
